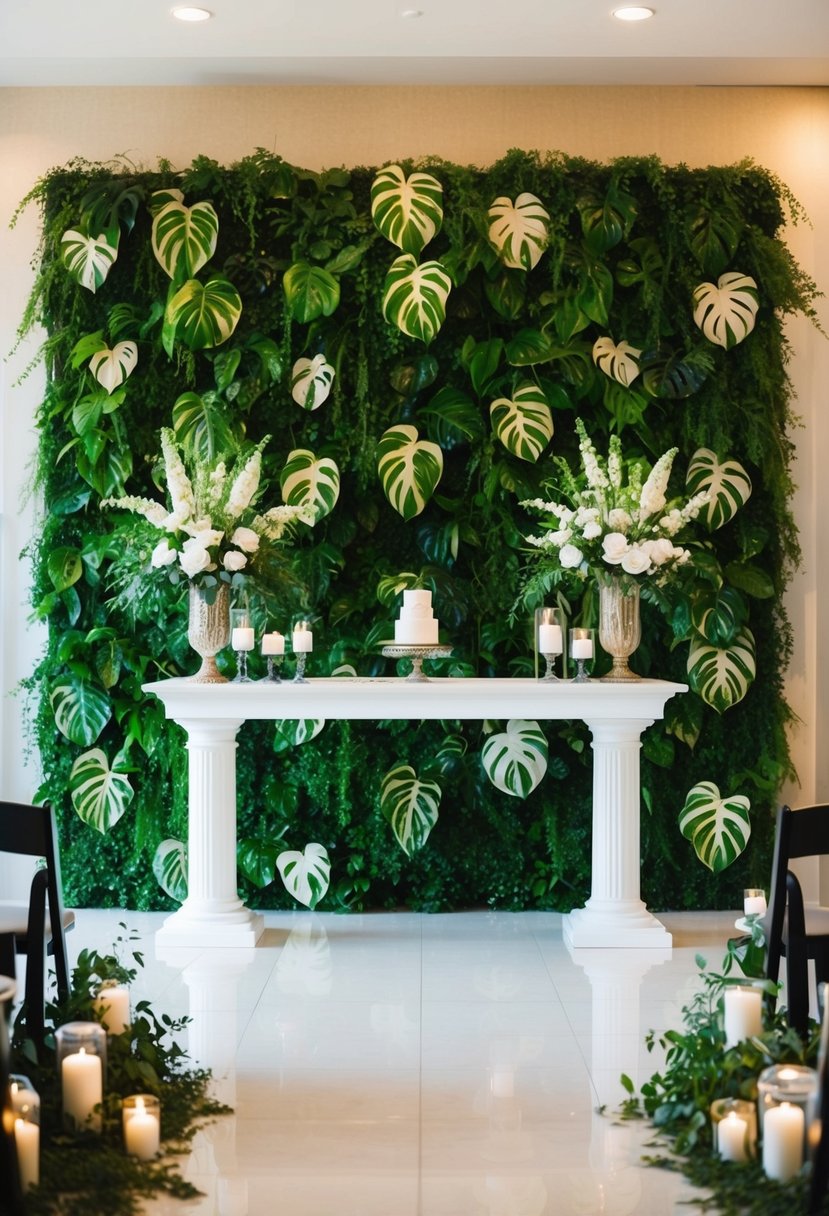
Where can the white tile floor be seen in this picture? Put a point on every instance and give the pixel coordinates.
(396, 1064)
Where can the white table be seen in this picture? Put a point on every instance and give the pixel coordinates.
(616, 714)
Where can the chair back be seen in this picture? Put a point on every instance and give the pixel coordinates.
(803, 833)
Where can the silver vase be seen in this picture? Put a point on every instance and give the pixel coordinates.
(208, 630)
(620, 629)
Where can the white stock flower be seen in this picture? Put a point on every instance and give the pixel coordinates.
(162, 555)
(234, 561)
(178, 483)
(194, 559)
(206, 538)
(586, 515)
(245, 539)
(652, 498)
(635, 561)
(561, 537)
(244, 486)
(619, 520)
(615, 545)
(694, 505)
(570, 556)
(672, 522)
(152, 511)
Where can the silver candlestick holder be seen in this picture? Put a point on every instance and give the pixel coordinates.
(273, 676)
(299, 676)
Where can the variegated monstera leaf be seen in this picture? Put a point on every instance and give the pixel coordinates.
(722, 675)
(410, 805)
(718, 828)
(89, 259)
(81, 709)
(311, 381)
(201, 315)
(414, 297)
(310, 292)
(618, 361)
(408, 211)
(727, 482)
(519, 230)
(112, 367)
(725, 311)
(184, 238)
(523, 423)
(305, 479)
(170, 869)
(100, 794)
(305, 875)
(409, 468)
(515, 760)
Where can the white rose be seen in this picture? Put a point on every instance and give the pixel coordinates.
(570, 556)
(635, 561)
(163, 555)
(618, 519)
(233, 560)
(615, 546)
(661, 551)
(561, 537)
(591, 530)
(245, 539)
(205, 538)
(194, 559)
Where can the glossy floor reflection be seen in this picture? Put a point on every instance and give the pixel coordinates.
(397, 1064)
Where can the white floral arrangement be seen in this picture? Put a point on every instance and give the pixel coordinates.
(211, 529)
(611, 525)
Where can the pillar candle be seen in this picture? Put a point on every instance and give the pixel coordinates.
(242, 638)
(302, 641)
(783, 1128)
(754, 905)
(273, 643)
(731, 1137)
(27, 1143)
(549, 639)
(82, 1085)
(24, 1100)
(743, 1014)
(142, 1132)
(113, 1003)
(582, 648)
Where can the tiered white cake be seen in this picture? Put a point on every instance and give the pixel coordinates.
(417, 625)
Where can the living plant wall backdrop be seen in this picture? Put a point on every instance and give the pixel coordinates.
(403, 355)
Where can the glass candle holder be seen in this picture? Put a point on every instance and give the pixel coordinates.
(113, 1004)
(141, 1120)
(736, 1141)
(754, 901)
(794, 1084)
(549, 638)
(25, 1099)
(80, 1049)
(273, 650)
(242, 640)
(582, 652)
(302, 643)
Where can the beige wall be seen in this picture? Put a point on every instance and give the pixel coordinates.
(786, 130)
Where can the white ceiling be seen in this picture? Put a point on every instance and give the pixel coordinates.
(532, 42)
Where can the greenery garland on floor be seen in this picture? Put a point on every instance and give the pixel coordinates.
(89, 1172)
(328, 341)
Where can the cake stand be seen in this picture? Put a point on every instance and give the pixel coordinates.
(393, 650)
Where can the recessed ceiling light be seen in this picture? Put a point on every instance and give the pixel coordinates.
(185, 13)
(411, 13)
(633, 13)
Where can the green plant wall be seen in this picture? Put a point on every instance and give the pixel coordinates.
(626, 245)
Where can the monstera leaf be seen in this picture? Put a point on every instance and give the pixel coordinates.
(184, 238)
(257, 860)
(410, 805)
(619, 362)
(305, 479)
(293, 732)
(81, 709)
(414, 297)
(89, 259)
(725, 313)
(311, 381)
(305, 875)
(310, 292)
(722, 675)
(516, 759)
(100, 794)
(408, 211)
(111, 367)
(170, 869)
(519, 230)
(409, 468)
(524, 423)
(201, 315)
(728, 484)
(718, 828)
(202, 427)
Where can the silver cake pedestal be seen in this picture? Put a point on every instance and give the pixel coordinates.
(391, 650)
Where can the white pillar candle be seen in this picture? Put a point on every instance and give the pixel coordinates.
(582, 648)
(302, 641)
(743, 1014)
(83, 1087)
(273, 643)
(242, 638)
(142, 1131)
(113, 1003)
(754, 905)
(783, 1129)
(731, 1137)
(27, 1143)
(549, 639)
(24, 1100)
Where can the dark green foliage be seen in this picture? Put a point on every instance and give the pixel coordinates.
(629, 241)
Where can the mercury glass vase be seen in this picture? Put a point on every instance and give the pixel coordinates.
(208, 630)
(620, 629)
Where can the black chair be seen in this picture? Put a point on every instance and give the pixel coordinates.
(793, 931)
(25, 928)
